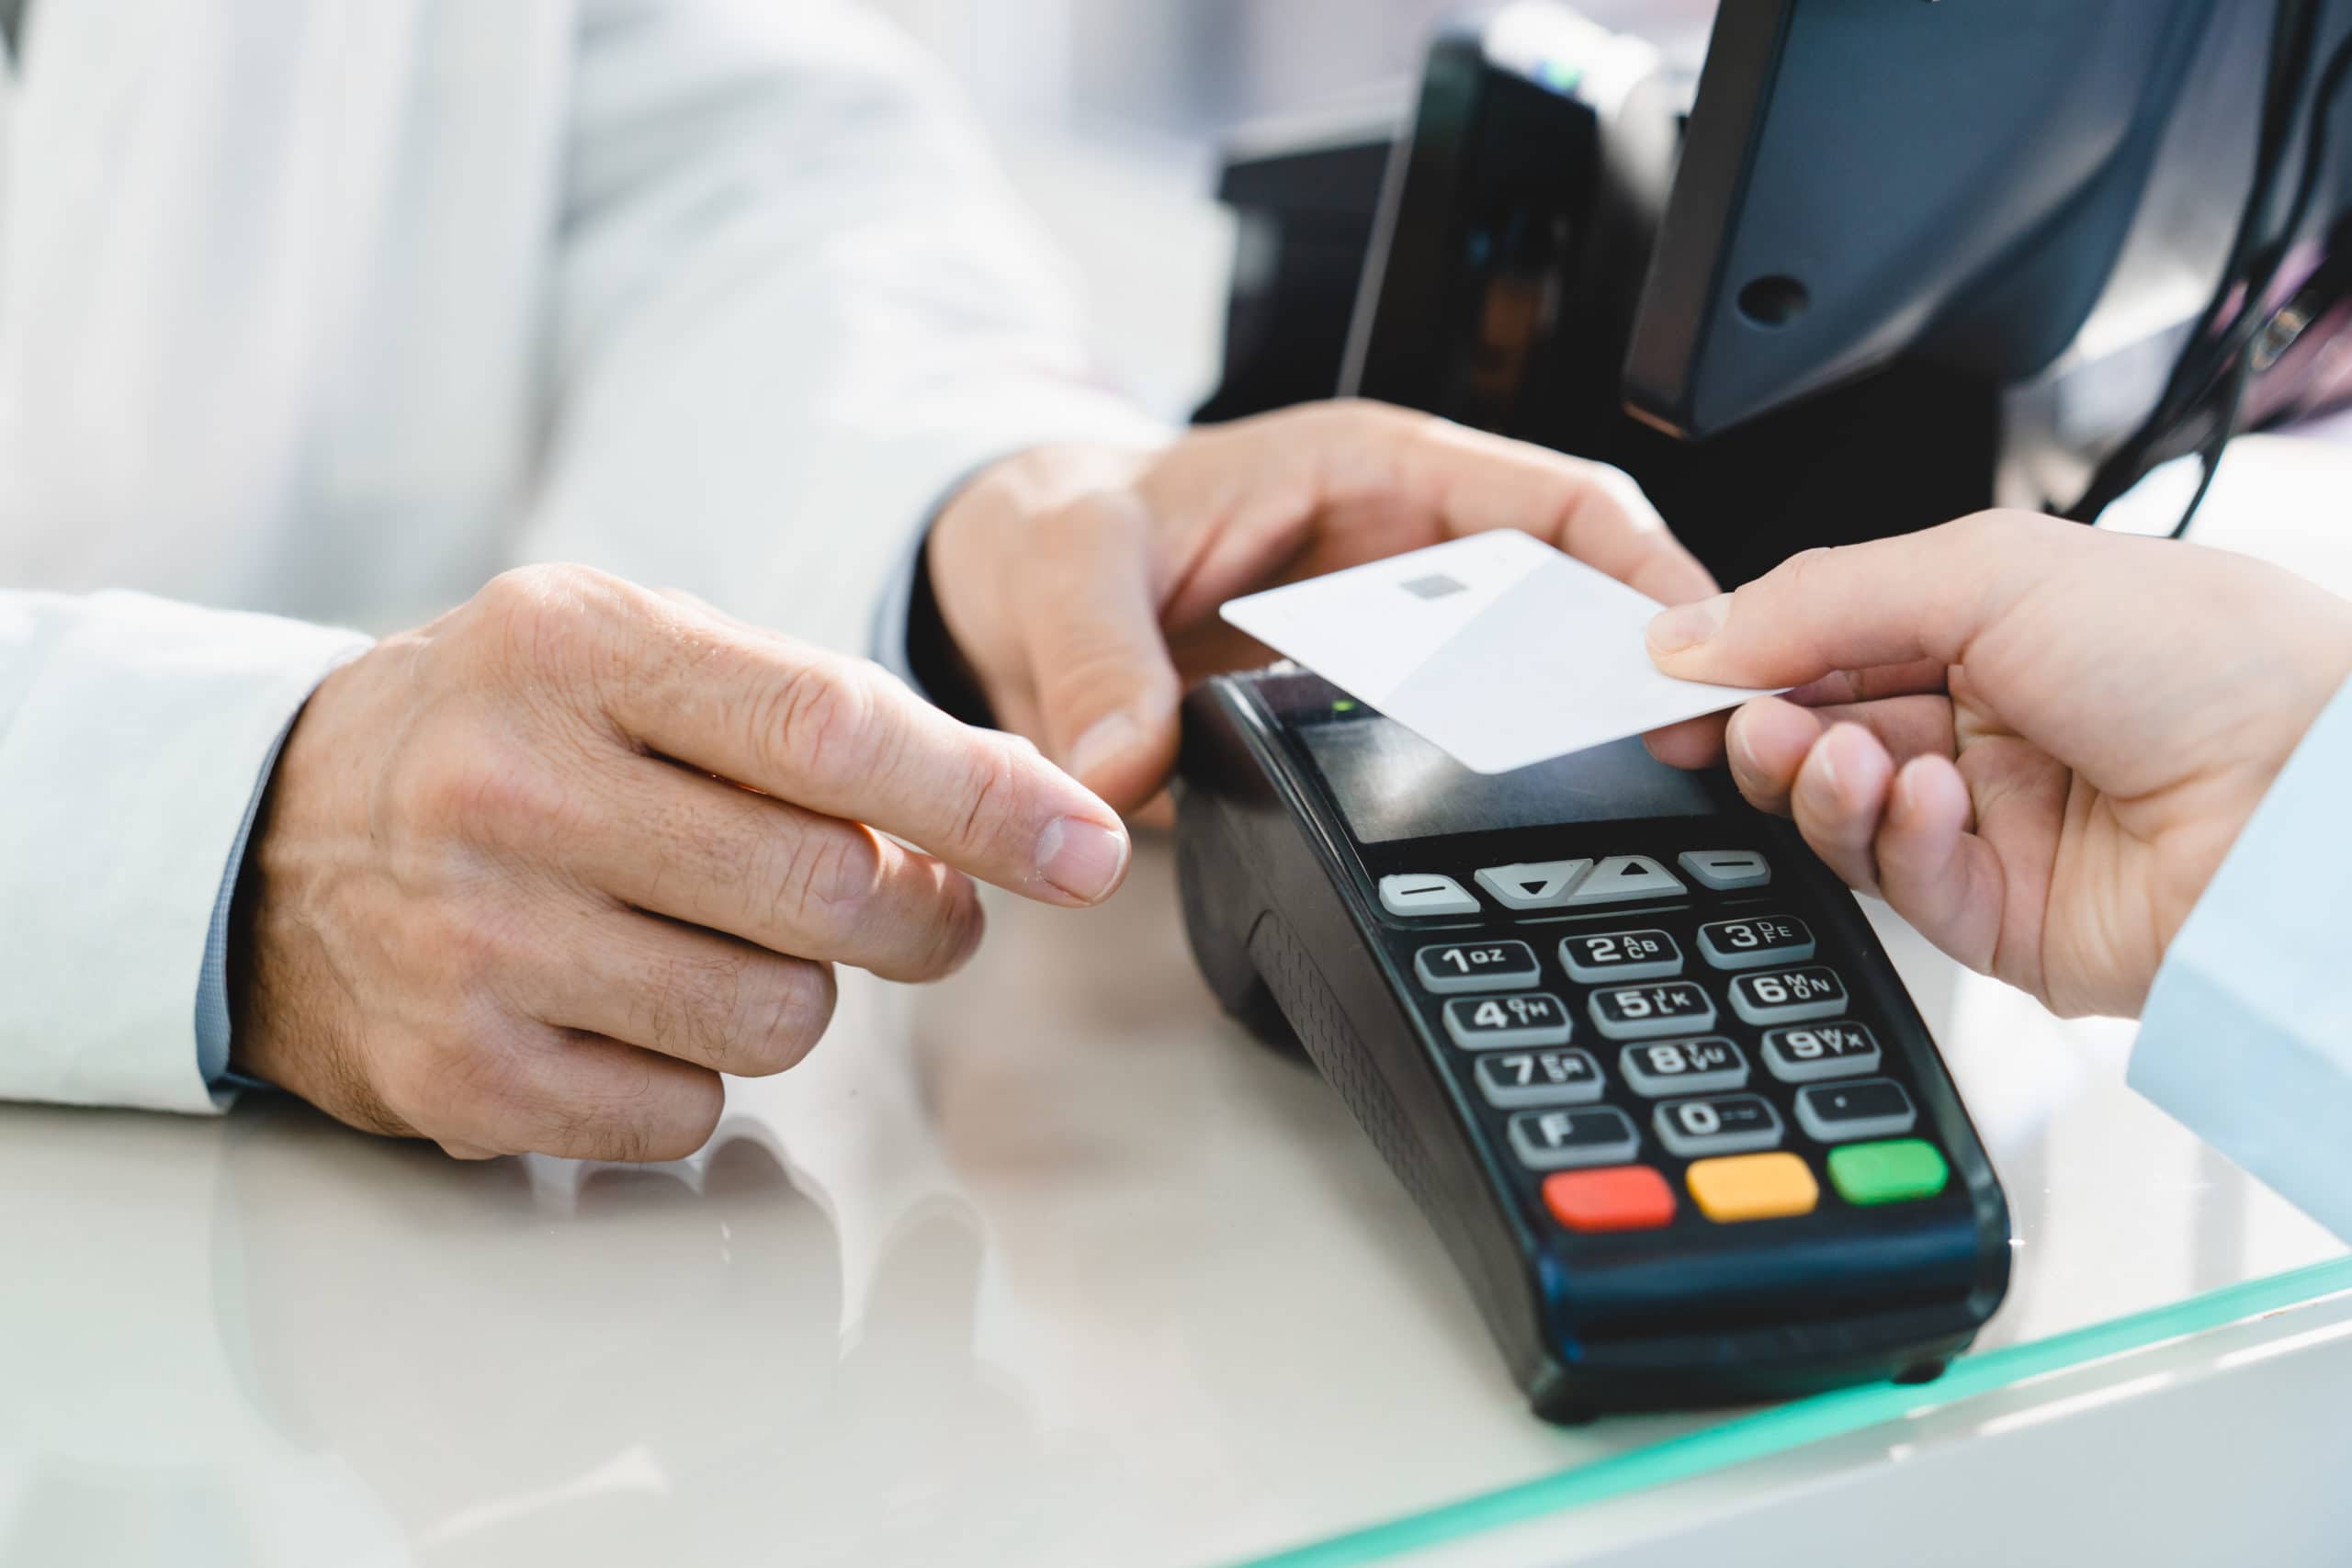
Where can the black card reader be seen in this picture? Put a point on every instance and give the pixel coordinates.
(1631, 1046)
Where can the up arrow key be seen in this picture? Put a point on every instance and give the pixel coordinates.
(1623, 878)
(1534, 885)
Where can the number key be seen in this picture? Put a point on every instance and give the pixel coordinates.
(1820, 1051)
(1539, 1077)
(1756, 943)
(1683, 1066)
(1475, 966)
(1480, 1023)
(1621, 955)
(1644, 1012)
(1788, 996)
(1737, 1123)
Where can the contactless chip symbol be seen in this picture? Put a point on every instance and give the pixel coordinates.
(1437, 585)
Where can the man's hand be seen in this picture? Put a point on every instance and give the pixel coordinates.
(2038, 741)
(532, 877)
(1081, 586)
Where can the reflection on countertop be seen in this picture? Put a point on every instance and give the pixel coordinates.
(1048, 1265)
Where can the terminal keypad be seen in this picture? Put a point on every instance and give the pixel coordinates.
(1700, 1066)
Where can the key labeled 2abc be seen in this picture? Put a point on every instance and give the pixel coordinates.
(1621, 955)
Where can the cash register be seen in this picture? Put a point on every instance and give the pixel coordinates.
(1636, 1054)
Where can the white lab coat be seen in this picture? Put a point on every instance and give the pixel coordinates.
(332, 308)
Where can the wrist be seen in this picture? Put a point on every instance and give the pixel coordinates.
(273, 1023)
(964, 628)
(937, 665)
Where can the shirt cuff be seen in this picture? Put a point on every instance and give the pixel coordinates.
(2246, 1037)
(212, 982)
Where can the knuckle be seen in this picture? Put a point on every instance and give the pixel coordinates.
(535, 614)
(634, 1114)
(457, 1078)
(827, 879)
(700, 1101)
(1996, 532)
(956, 931)
(989, 797)
(1803, 571)
(819, 713)
(500, 794)
(1374, 415)
(777, 1024)
(683, 1006)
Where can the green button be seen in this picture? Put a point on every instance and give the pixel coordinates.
(1896, 1171)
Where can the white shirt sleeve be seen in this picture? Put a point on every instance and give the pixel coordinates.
(2247, 1035)
(133, 734)
(797, 305)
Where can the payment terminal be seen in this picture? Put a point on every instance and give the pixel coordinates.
(1632, 1048)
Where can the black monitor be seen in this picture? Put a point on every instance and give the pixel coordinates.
(1865, 178)
(1886, 261)
(1963, 184)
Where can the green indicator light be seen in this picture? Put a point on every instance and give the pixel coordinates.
(1345, 704)
(1559, 75)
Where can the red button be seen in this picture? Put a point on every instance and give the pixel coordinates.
(1621, 1198)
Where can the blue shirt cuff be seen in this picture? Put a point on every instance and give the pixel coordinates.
(2246, 1038)
(212, 983)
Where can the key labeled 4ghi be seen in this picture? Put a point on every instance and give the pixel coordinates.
(1481, 1023)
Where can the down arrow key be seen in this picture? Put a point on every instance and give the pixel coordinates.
(1534, 885)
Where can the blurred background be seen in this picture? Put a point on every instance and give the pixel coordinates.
(1110, 114)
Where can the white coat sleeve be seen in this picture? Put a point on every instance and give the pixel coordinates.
(2247, 1034)
(797, 304)
(133, 735)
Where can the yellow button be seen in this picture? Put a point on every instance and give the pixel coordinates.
(1753, 1187)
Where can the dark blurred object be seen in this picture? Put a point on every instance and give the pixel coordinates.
(1513, 235)
(1304, 198)
(1903, 245)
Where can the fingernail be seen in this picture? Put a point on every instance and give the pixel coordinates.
(1083, 859)
(1907, 790)
(1107, 737)
(1687, 626)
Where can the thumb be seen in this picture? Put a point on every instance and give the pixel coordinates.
(1107, 688)
(1917, 596)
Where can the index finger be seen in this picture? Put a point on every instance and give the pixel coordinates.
(844, 738)
(1402, 481)
(1916, 597)
(1589, 510)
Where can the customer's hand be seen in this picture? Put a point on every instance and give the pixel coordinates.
(1081, 585)
(532, 877)
(2037, 740)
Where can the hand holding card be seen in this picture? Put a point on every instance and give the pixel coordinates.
(1496, 648)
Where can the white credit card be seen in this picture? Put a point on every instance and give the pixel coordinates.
(1495, 647)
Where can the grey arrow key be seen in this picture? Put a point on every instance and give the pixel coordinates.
(1534, 884)
(1623, 879)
